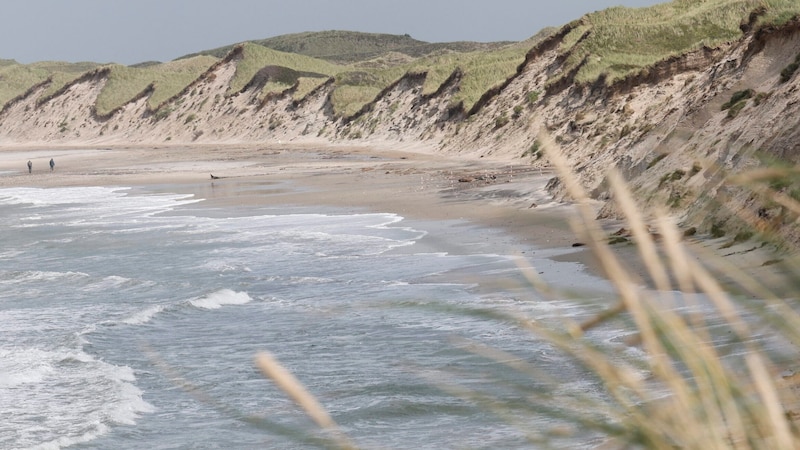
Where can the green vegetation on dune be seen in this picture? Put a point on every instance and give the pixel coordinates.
(170, 78)
(779, 11)
(256, 57)
(18, 78)
(609, 45)
(348, 99)
(363, 64)
(357, 85)
(65, 67)
(340, 46)
(620, 41)
(305, 85)
(482, 70)
(346, 47)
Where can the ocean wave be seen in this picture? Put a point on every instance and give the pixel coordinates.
(113, 282)
(223, 266)
(23, 366)
(143, 316)
(27, 276)
(148, 312)
(58, 398)
(221, 298)
(98, 429)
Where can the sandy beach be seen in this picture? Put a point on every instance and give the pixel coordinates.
(411, 182)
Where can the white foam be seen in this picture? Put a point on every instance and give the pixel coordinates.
(226, 266)
(221, 298)
(310, 280)
(108, 283)
(10, 254)
(81, 397)
(143, 316)
(131, 403)
(38, 275)
(98, 429)
(23, 366)
(92, 205)
(376, 233)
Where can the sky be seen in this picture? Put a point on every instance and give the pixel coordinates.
(133, 31)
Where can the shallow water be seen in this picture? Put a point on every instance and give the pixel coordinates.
(131, 318)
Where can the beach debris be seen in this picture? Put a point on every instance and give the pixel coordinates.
(578, 244)
(213, 177)
(533, 205)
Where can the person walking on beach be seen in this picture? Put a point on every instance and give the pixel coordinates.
(30, 166)
(52, 164)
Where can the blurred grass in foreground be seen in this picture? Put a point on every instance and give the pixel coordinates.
(696, 394)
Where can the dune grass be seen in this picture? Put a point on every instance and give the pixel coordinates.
(18, 78)
(611, 43)
(126, 82)
(482, 71)
(352, 47)
(779, 12)
(305, 85)
(256, 57)
(714, 400)
(357, 85)
(624, 40)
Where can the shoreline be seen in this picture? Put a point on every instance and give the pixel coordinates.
(487, 194)
(411, 182)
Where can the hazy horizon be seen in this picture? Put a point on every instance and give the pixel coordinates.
(162, 30)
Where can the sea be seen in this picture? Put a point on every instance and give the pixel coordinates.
(131, 317)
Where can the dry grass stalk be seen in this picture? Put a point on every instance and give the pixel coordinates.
(711, 404)
(694, 396)
(292, 387)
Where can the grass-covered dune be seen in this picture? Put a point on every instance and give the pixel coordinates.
(167, 79)
(619, 41)
(348, 47)
(312, 57)
(17, 78)
(607, 45)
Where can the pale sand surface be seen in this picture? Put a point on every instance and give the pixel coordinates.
(410, 184)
